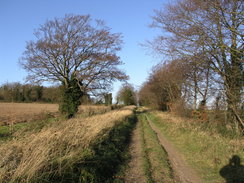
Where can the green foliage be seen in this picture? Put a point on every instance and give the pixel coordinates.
(27, 93)
(126, 95)
(17, 92)
(20, 129)
(108, 99)
(70, 99)
(6, 133)
(38, 92)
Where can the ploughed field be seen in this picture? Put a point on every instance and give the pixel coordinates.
(23, 112)
(11, 113)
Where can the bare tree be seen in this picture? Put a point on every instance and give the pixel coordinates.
(164, 85)
(212, 28)
(77, 52)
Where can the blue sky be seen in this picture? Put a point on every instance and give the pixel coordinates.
(19, 18)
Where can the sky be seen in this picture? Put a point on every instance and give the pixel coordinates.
(19, 19)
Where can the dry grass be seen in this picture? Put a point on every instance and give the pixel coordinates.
(31, 157)
(89, 110)
(11, 113)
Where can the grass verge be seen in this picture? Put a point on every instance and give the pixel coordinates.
(208, 153)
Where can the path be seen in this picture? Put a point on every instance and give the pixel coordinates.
(182, 171)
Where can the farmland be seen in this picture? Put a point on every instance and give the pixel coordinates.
(22, 112)
(11, 113)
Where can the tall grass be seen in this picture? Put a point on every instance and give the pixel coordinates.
(45, 154)
(90, 110)
(36, 122)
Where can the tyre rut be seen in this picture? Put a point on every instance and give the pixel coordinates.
(182, 171)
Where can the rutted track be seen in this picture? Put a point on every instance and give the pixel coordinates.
(182, 171)
(149, 161)
(154, 158)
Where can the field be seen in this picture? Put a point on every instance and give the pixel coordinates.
(11, 113)
(23, 112)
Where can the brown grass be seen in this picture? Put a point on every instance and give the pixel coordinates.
(25, 112)
(89, 110)
(28, 158)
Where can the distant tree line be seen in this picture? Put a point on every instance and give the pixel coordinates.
(202, 46)
(17, 92)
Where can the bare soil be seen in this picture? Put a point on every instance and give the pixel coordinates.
(135, 173)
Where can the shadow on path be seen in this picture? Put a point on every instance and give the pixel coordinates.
(234, 171)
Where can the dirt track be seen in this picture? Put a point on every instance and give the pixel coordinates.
(182, 172)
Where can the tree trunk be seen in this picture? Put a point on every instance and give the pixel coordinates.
(195, 91)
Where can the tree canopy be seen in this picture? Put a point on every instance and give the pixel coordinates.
(75, 51)
(73, 45)
(127, 95)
